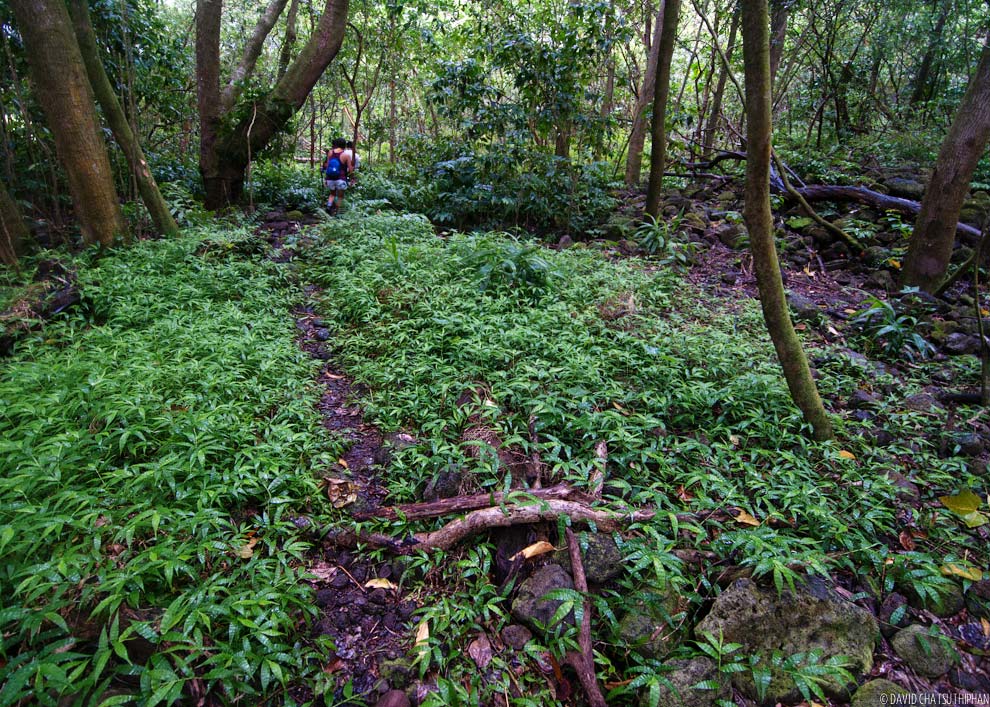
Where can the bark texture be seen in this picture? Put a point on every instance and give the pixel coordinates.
(759, 219)
(66, 98)
(637, 138)
(934, 233)
(715, 113)
(122, 133)
(661, 92)
(224, 154)
(13, 231)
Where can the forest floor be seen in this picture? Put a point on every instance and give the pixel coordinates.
(363, 610)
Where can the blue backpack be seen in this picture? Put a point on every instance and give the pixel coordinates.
(335, 168)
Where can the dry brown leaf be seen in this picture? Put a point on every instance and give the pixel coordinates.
(986, 627)
(341, 492)
(423, 634)
(746, 519)
(536, 549)
(323, 571)
(685, 495)
(247, 550)
(343, 462)
(380, 584)
(907, 542)
(480, 651)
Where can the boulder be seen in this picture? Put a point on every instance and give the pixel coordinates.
(946, 601)
(516, 636)
(978, 599)
(878, 693)
(600, 556)
(810, 618)
(905, 188)
(927, 654)
(921, 402)
(893, 614)
(530, 607)
(804, 309)
(649, 627)
(683, 676)
(881, 280)
(969, 444)
(876, 255)
(732, 235)
(694, 220)
(961, 344)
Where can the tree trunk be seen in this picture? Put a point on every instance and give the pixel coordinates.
(759, 219)
(125, 137)
(637, 137)
(13, 231)
(224, 156)
(661, 91)
(934, 232)
(285, 53)
(716, 107)
(778, 33)
(66, 98)
(921, 87)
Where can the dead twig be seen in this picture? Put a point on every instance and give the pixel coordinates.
(583, 662)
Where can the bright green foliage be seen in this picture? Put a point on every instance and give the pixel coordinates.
(147, 440)
(890, 331)
(689, 402)
(660, 239)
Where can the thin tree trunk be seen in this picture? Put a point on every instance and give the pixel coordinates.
(934, 233)
(637, 136)
(65, 95)
(921, 82)
(125, 137)
(778, 33)
(759, 219)
(716, 107)
(13, 231)
(661, 91)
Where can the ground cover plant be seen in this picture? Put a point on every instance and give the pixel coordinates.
(157, 442)
(453, 334)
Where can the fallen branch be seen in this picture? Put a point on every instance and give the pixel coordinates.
(465, 504)
(583, 662)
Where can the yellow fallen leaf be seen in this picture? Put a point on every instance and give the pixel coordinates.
(894, 263)
(536, 549)
(986, 627)
(423, 634)
(746, 519)
(619, 407)
(735, 440)
(974, 519)
(247, 550)
(962, 503)
(342, 462)
(954, 570)
(380, 584)
(846, 455)
(849, 311)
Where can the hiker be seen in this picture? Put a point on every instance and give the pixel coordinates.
(335, 170)
(355, 161)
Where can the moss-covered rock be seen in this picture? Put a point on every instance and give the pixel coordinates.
(683, 677)
(813, 618)
(978, 599)
(531, 608)
(877, 693)
(649, 627)
(600, 555)
(927, 653)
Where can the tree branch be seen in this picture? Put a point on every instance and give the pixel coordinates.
(249, 57)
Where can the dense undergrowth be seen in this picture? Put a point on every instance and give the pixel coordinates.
(687, 398)
(160, 439)
(156, 445)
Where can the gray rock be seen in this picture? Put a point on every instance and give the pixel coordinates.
(926, 654)
(393, 698)
(600, 556)
(878, 693)
(730, 278)
(893, 604)
(804, 309)
(876, 255)
(921, 402)
(516, 636)
(970, 444)
(978, 599)
(529, 606)
(684, 675)
(565, 242)
(862, 400)
(811, 618)
(906, 488)
(960, 344)
(947, 601)
(881, 280)
(398, 672)
(732, 235)
(726, 197)
(649, 627)
(905, 188)
(693, 219)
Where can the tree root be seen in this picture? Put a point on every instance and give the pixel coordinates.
(583, 662)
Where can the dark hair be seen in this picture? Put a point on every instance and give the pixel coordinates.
(339, 142)
(350, 144)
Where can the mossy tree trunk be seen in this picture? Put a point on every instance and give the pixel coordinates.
(637, 136)
(13, 231)
(228, 136)
(934, 233)
(661, 93)
(125, 137)
(63, 90)
(759, 219)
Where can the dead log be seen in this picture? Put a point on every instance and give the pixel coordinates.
(583, 662)
(465, 504)
(883, 202)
